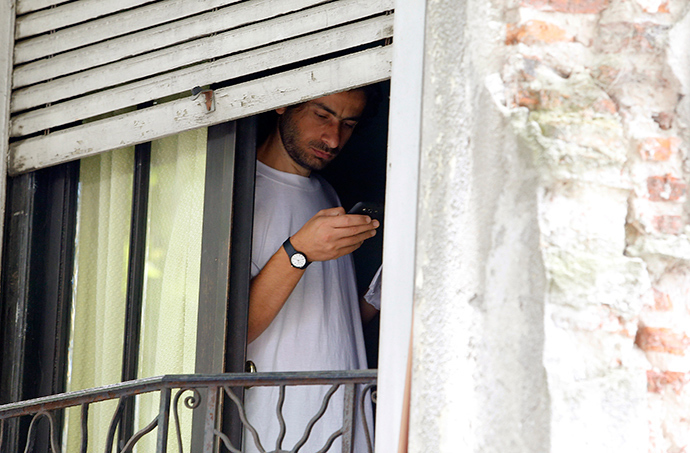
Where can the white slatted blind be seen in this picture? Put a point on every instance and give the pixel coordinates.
(84, 59)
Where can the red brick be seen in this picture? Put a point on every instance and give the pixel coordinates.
(661, 339)
(659, 380)
(662, 8)
(662, 301)
(535, 32)
(542, 99)
(527, 98)
(665, 188)
(568, 6)
(668, 224)
(659, 148)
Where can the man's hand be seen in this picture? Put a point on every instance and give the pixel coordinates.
(328, 235)
(331, 234)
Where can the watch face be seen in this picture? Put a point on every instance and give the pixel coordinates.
(298, 260)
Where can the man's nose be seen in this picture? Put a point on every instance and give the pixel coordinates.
(331, 135)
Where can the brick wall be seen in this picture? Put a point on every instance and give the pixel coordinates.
(597, 89)
(552, 287)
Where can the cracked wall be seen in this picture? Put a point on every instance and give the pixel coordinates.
(552, 304)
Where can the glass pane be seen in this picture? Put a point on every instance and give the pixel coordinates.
(100, 282)
(173, 261)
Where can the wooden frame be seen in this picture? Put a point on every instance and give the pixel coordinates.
(233, 102)
(162, 36)
(36, 291)
(399, 247)
(257, 96)
(7, 18)
(114, 25)
(106, 98)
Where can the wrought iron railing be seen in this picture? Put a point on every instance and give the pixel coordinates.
(359, 390)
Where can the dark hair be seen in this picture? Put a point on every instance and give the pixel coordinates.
(373, 94)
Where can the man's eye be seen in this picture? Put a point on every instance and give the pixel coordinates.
(321, 115)
(350, 125)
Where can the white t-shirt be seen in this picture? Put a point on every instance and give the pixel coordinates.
(319, 327)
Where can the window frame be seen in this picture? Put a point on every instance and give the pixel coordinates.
(37, 270)
(7, 20)
(401, 196)
(400, 240)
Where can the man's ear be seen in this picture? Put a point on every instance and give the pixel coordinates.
(281, 110)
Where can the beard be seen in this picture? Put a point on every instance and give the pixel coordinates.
(292, 142)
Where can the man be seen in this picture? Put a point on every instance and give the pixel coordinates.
(304, 313)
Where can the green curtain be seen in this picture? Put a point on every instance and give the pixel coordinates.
(173, 260)
(171, 287)
(100, 287)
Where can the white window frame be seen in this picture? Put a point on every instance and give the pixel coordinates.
(401, 199)
(399, 245)
(7, 18)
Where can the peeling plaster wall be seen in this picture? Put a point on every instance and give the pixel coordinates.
(552, 300)
(479, 383)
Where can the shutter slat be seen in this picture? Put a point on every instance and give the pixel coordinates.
(102, 60)
(69, 14)
(155, 38)
(256, 35)
(298, 49)
(233, 102)
(111, 26)
(28, 6)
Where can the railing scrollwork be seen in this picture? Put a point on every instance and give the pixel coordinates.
(202, 393)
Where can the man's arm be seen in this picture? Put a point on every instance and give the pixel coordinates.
(367, 311)
(328, 235)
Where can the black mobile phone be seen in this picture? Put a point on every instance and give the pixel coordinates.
(372, 209)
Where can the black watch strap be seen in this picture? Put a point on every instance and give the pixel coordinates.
(297, 259)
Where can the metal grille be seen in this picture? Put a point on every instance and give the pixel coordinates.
(360, 388)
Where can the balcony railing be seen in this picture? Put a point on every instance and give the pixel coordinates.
(204, 393)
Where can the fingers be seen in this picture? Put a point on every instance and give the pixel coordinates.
(350, 243)
(331, 234)
(364, 231)
(349, 220)
(331, 212)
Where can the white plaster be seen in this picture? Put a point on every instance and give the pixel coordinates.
(600, 415)
(670, 246)
(671, 432)
(586, 217)
(478, 303)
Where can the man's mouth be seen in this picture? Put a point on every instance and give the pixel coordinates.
(322, 154)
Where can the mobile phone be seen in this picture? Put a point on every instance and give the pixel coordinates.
(370, 208)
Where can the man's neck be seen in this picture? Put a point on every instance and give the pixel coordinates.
(273, 153)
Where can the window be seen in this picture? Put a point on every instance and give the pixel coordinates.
(27, 259)
(135, 211)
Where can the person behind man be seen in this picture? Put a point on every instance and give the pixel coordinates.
(304, 312)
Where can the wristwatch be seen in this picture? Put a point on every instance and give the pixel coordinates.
(297, 259)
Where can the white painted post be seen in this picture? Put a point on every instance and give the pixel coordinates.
(7, 18)
(402, 176)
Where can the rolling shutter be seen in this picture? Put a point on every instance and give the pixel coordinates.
(92, 75)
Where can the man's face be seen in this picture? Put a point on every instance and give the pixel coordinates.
(313, 133)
